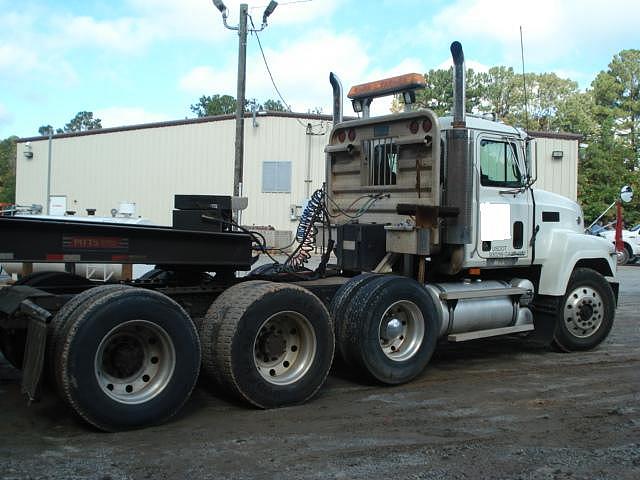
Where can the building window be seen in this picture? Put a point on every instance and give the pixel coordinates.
(499, 164)
(276, 177)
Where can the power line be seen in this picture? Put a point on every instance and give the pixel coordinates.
(273, 82)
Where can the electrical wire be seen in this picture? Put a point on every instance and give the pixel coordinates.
(373, 198)
(307, 230)
(273, 82)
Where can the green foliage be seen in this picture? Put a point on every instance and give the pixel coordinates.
(8, 170)
(45, 129)
(612, 158)
(274, 106)
(82, 122)
(210, 105)
(214, 105)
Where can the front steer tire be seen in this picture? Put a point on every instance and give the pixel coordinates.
(586, 312)
(267, 344)
(127, 359)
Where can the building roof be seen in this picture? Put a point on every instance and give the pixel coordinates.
(556, 135)
(172, 123)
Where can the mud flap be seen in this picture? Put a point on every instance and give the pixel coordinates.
(545, 313)
(34, 352)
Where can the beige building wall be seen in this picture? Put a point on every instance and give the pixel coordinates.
(557, 174)
(148, 165)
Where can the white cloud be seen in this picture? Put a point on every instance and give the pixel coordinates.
(301, 72)
(206, 80)
(120, 116)
(122, 34)
(300, 69)
(553, 31)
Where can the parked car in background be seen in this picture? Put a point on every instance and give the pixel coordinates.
(630, 240)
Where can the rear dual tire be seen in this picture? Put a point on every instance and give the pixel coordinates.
(268, 344)
(388, 328)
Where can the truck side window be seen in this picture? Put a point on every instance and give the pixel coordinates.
(499, 164)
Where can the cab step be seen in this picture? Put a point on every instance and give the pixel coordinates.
(493, 332)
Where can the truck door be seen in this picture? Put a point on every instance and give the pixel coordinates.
(504, 204)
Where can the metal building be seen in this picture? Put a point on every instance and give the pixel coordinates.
(557, 162)
(284, 163)
(149, 164)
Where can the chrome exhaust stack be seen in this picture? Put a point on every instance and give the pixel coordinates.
(459, 90)
(337, 98)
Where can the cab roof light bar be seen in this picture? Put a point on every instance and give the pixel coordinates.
(362, 95)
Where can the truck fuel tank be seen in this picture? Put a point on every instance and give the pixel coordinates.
(473, 305)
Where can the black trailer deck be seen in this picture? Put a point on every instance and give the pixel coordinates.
(32, 240)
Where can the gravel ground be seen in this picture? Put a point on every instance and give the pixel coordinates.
(494, 409)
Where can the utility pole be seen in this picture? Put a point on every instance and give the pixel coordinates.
(242, 83)
(48, 199)
(242, 80)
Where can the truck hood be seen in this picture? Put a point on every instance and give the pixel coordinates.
(569, 214)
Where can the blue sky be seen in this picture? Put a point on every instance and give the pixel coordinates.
(135, 61)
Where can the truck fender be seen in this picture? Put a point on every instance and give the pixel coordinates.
(564, 251)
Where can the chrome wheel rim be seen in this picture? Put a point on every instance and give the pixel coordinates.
(135, 362)
(622, 256)
(401, 330)
(285, 347)
(583, 312)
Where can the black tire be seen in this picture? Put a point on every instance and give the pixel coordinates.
(13, 342)
(339, 304)
(56, 328)
(268, 344)
(127, 359)
(585, 314)
(396, 351)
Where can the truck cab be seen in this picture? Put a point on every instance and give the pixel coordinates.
(451, 202)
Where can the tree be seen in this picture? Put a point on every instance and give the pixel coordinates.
(82, 122)
(214, 105)
(226, 105)
(617, 92)
(612, 157)
(545, 91)
(45, 129)
(438, 94)
(502, 93)
(8, 169)
(274, 106)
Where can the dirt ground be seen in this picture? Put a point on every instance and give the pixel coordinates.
(494, 409)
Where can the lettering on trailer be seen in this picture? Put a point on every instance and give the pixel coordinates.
(84, 243)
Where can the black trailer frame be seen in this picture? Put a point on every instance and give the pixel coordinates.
(58, 241)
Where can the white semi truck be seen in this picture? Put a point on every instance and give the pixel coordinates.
(440, 237)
